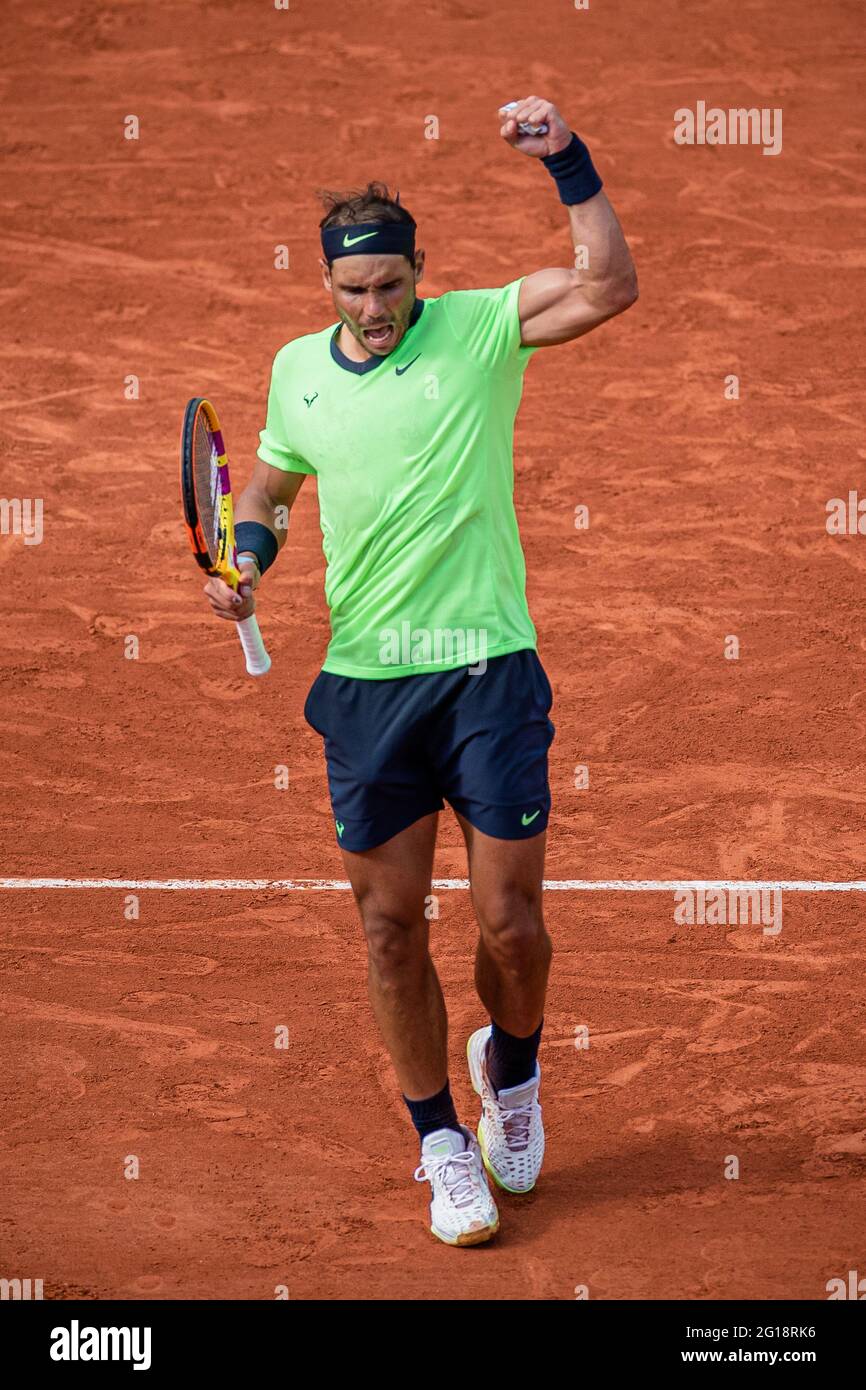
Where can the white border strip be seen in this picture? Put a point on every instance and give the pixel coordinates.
(567, 885)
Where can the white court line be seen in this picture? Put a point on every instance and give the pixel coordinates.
(301, 885)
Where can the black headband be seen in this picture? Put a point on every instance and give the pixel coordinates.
(369, 239)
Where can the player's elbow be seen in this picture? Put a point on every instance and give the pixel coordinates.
(621, 293)
(605, 299)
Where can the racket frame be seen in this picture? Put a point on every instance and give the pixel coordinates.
(225, 566)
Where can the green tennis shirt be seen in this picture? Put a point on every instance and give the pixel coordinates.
(413, 457)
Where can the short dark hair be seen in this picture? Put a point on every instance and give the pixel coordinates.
(371, 204)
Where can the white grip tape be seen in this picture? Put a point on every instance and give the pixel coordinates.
(524, 128)
(257, 659)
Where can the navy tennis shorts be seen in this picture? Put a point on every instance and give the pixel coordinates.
(397, 749)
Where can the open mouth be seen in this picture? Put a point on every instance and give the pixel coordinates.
(380, 336)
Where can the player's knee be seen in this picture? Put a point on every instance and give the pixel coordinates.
(395, 943)
(512, 925)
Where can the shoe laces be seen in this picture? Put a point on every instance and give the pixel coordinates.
(459, 1182)
(516, 1124)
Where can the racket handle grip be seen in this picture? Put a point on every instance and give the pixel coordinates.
(255, 654)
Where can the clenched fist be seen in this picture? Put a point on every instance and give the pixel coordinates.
(534, 111)
(227, 603)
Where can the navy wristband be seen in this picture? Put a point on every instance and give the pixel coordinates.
(259, 539)
(575, 174)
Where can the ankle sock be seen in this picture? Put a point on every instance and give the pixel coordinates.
(511, 1060)
(434, 1112)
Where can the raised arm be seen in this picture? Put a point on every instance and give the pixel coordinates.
(557, 305)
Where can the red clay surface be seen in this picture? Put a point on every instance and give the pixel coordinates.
(155, 1037)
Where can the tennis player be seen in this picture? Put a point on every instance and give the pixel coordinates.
(431, 689)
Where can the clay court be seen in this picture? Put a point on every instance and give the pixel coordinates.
(154, 1036)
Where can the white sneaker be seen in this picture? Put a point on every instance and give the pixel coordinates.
(510, 1132)
(463, 1211)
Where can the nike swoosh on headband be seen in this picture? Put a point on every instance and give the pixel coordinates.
(350, 241)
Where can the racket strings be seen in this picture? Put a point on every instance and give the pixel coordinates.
(207, 485)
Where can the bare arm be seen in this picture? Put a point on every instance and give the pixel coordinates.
(268, 489)
(557, 305)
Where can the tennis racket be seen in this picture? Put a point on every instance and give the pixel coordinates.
(209, 516)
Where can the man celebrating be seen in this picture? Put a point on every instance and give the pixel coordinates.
(431, 689)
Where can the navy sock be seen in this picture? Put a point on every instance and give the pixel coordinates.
(511, 1060)
(434, 1112)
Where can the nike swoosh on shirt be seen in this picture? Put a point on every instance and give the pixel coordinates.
(527, 820)
(350, 241)
(401, 370)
